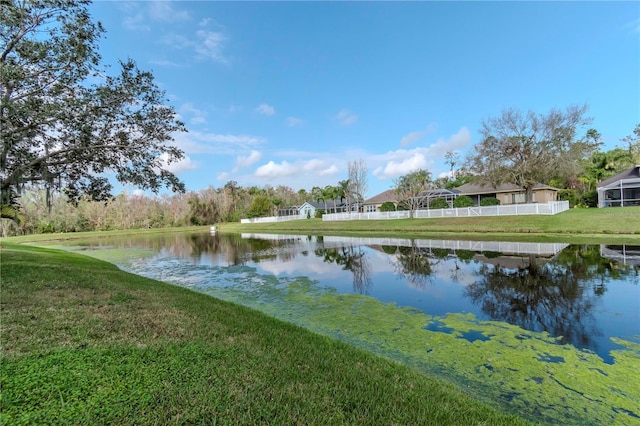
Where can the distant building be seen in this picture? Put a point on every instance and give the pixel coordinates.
(508, 193)
(620, 190)
(309, 208)
(374, 203)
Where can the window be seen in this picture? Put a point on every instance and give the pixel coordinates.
(517, 198)
(371, 208)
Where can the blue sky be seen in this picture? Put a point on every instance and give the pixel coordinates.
(287, 93)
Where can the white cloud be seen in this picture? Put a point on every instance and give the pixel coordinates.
(265, 109)
(213, 143)
(313, 167)
(412, 137)
(272, 170)
(248, 160)
(457, 141)
(177, 167)
(135, 22)
(328, 172)
(210, 45)
(134, 17)
(137, 16)
(448, 174)
(394, 169)
(400, 162)
(177, 41)
(165, 12)
(198, 116)
(346, 117)
(294, 122)
(207, 45)
(167, 63)
(222, 176)
(633, 26)
(415, 136)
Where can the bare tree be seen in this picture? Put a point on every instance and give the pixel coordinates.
(633, 144)
(452, 158)
(529, 148)
(357, 180)
(409, 186)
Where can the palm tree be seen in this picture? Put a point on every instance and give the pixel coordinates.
(328, 192)
(343, 192)
(318, 194)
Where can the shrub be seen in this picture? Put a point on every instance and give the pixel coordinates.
(260, 206)
(570, 195)
(438, 203)
(590, 198)
(489, 201)
(388, 206)
(463, 201)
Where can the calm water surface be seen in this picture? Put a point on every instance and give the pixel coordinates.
(579, 298)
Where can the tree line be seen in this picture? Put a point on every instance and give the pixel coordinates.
(43, 212)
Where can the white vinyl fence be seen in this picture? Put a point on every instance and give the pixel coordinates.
(271, 219)
(507, 210)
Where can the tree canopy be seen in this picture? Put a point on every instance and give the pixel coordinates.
(409, 186)
(65, 122)
(530, 148)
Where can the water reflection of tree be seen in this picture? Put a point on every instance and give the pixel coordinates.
(414, 264)
(234, 249)
(351, 258)
(556, 296)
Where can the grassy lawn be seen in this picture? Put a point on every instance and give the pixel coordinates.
(85, 343)
(579, 225)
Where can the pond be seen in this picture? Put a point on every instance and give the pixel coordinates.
(550, 331)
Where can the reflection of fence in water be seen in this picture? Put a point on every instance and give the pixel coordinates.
(496, 246)
(541, 249)
(625, 254)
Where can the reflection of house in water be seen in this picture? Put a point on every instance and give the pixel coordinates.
(510, 261)
(625, 254)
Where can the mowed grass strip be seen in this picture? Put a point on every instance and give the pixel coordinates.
(610, 222)
(86, 343)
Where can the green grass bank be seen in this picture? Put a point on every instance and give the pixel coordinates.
(575, 225)
(86, 343)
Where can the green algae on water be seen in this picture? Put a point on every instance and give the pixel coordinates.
(529, 373)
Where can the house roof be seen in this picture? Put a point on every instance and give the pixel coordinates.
(321, 205)
(433, 193)
(479, 188)
(388, 195)
(631, 173)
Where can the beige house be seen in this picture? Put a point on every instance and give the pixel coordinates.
(508, 193)
(373, 204)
